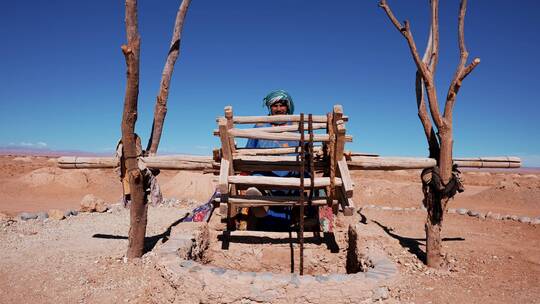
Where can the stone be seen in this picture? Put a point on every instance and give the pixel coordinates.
(514, 217)
(348, 211)
(524, 219)
(451, 210)
(90, 203)
(380, 293)
(71, 212)
(27, 216)
(56, 214)
(494, 216)
(473, 213)
(42, 215)
(535, 221)
(101, 206)
(462, 211)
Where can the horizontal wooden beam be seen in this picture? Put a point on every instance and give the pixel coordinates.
(183, 162)
(389, 163)
(256, 134)
(272, 201)
(272, 151)
(292, 182)
(277, 118)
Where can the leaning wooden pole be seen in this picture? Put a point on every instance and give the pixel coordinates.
(161, 101)
(138, 211)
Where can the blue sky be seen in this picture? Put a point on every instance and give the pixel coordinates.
(62, 73)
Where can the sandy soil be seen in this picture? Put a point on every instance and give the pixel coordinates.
(80, 259)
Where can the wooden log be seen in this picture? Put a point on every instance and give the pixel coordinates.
(230, 124)
(253, 133)
(486, 164)
(269, 201)
(348, 186)
(292, 182)
(223, 173)
(290, 128)
(273, 151)
(190, 162)
(490, 159)
(390, 163)
(77, 162)
(251, 166)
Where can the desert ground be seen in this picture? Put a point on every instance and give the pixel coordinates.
(489, 257)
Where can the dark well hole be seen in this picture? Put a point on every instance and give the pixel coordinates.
(277, 251)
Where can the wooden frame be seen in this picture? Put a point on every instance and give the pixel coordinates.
(329, 160)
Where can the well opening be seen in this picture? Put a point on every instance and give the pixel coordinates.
(277, 251)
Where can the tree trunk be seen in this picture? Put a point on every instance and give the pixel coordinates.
(138, 211)
(436, 202)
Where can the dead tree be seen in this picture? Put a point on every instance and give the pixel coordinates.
(138, 209)
(438, 189)
(161, 100)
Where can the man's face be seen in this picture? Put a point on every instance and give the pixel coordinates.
(278, 108)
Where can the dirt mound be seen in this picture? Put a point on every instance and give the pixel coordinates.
(190, 185)
(51, 175)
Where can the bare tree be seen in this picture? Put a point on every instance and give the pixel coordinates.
(161, 100)
(436, 194)
(138, 209)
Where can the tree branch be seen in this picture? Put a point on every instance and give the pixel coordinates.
(420, 102)
(462, 71)
(160, 109)
(421, 66)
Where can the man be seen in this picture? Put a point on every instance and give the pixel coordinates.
(278, 103)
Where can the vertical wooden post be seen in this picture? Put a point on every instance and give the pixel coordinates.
(230, 124)
(226, 154)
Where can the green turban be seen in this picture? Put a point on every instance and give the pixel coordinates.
(279, 96)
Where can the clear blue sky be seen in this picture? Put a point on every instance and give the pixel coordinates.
(62, 73)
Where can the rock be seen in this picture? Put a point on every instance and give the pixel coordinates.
(101, 206)
(462, 211)
(494, 216)
(514, 217)
(451, 210)
(535, 221)
(380, 293)
(56, 214)
(524, 219)
(473, 213)
(91, 203)
(27, 216)
(42, 215)
(71, 212)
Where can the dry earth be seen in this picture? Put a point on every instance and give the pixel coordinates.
(80, 259)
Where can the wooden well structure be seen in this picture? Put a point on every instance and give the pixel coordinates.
(319, 154)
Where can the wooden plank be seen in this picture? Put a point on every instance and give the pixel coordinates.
(390, 163)
(267, 201)
(253, 133)
(76, 162)
(348, 186)
(230, 125)
(290, 128)
(292, 182)
(272, 151)
(223, 174)
(486, 164)
(490, 159)
(274, 118)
